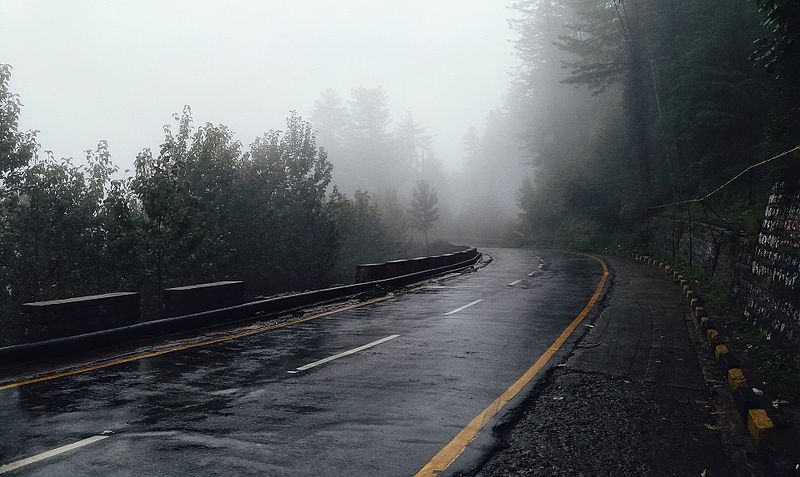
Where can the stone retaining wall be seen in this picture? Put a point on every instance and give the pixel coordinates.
(762, 277)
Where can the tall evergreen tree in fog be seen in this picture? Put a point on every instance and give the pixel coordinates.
(370, 157)
(495, 167)
(368, 145)
(331, 119)
(607, 42)
(423, 212)
(413, 145)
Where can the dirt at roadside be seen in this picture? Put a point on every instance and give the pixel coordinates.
(588, 424)
(638, 396)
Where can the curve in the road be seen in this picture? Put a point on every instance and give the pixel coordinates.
(449, 453)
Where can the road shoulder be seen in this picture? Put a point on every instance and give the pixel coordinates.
(633, 397)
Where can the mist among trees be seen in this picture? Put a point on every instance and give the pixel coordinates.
(628, 104)
(615, 106)
(201, 207)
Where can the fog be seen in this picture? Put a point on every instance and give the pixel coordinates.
(325, 134)
(117, 70)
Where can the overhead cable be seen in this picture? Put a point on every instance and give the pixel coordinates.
(758, 164)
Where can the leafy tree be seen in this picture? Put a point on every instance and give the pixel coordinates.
(201, 208)
(362, 232)
(423, 213)
(286, 176)
(16, 148)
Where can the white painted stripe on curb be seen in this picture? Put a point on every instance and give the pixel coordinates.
(51, 453)
(345, 353)
(463, 307)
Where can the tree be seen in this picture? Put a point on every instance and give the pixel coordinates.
(330, 119)
(199, 209)
(286, 227)
(16, 148)
(186, 194)
(393, 217)
(610, 49)
(362, 234)
(413, 145)
(423, 212)
(780, 51)
(370, 162)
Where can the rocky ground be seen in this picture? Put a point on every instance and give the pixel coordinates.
(639, 395)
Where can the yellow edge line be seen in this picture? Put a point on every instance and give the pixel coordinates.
(193, 345)
(449, 453)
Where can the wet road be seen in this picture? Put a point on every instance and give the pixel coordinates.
(408, 374)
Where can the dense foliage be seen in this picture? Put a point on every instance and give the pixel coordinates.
(630, 104)
(201, 208)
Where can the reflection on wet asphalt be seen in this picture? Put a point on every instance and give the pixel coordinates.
(232, 408)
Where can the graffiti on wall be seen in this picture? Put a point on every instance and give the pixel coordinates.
(773, 292)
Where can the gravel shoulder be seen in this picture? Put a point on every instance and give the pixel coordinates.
(637, 396)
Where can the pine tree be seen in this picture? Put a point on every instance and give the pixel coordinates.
(423, 212)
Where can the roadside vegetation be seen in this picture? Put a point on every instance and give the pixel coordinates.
(628, 105)
(199, 208)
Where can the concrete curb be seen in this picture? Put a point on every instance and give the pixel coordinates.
(208, 319)
(753, 413)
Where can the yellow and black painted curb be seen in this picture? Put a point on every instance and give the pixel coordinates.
(752, 411)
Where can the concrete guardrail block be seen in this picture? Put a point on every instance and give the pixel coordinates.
(712, 337)
(45, 320)
(736, 379)
(720, 350)
(700, 312)
(760, 426)
(190, 299)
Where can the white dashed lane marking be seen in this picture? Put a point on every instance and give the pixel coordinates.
(51, 453)
(343, 354)
(462, 307)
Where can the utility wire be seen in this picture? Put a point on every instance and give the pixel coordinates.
(758, 164)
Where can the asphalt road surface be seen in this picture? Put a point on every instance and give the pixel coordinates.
(374, 390)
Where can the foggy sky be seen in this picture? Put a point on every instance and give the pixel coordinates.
(117, 70)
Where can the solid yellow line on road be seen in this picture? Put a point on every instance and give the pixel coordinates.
(189, 346)
(449, 453)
